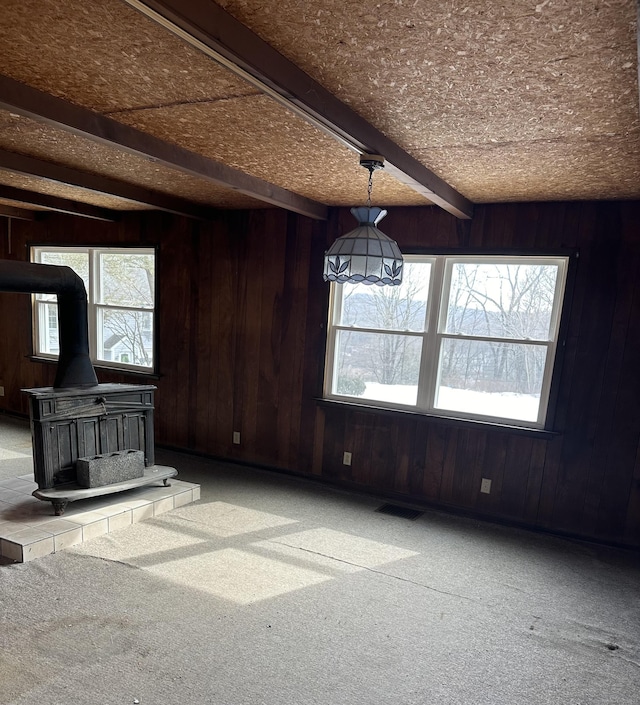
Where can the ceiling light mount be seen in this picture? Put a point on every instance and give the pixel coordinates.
(372, 161)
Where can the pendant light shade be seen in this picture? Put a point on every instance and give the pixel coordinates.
(364, 255)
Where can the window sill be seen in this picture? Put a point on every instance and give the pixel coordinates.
(101, 366)
(444, 420)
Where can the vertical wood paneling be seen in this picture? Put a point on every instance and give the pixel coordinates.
(242, 333)
(476, 450)
(248, 326)
(312, 423)
(534, 481)
(334, 443)
(384, 453)
(463, 469)
(433, 450)
(317, 446)
(516, 476)
(493, 468)
(224, 275)
(197, 294)
(358, 441)
(291, 342)
(527, 225)
(418, 468)
(587, 398)
(619, 375)
(449, 465)
(175, 301)
(270, 343)
(203, 347)
(626, 414)
(404, 451)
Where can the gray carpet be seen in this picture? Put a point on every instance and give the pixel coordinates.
(276, 591)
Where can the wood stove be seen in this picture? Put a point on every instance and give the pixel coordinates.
(67, 424)
(78, 418)
(90, 422)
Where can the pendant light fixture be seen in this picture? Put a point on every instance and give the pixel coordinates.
(365, 255)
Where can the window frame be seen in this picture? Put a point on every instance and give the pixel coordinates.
(95, 304)
(434, 333)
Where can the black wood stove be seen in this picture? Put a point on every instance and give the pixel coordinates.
(105, 428)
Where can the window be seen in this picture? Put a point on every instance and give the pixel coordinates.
(120, 284)
(468, 337)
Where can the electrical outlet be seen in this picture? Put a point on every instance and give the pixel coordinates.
(236, 437)
(346, 458)
(485, 486)
(1, 391)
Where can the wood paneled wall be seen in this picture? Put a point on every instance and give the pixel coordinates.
(242, 325)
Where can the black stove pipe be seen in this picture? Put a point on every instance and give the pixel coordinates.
(74, 364)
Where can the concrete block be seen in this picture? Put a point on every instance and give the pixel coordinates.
(109, 468)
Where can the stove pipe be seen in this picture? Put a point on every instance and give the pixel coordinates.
(74, 365)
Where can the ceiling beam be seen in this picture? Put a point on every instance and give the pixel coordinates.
(37, 105)
(54, 203)
(103, 185)
(213, 30)
(17, 213)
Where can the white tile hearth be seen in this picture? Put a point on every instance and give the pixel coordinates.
(29, 529)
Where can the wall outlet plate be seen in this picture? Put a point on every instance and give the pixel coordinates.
(485, 486)
(236, 437)
(346, 458)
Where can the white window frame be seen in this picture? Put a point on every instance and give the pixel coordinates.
(95, 306)
(435, 333)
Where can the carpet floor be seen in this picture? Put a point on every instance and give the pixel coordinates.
(276, 591)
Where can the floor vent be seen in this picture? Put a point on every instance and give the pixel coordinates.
(402, 512)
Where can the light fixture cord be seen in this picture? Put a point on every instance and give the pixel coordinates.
(370, 188)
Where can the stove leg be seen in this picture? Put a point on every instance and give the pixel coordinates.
(59, 505)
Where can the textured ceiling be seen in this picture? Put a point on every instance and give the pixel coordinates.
(24, 136)
(513, 100)
(503, 100)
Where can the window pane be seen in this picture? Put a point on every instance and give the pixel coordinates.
(502, 300)
(389, 307)
(127, 279)
(126, 336)
(491, 379)
(78, 261)
(377, 366)
(48, 328)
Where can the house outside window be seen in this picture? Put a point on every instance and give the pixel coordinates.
(471, 337)
(120, 285)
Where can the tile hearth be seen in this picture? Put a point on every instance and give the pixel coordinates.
(29, 529)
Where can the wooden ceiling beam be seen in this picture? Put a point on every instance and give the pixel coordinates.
(213, 30)
(103, 185)
(17, 213)
(54, 203)
(37, 105)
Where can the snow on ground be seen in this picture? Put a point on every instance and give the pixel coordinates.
(523, 407)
